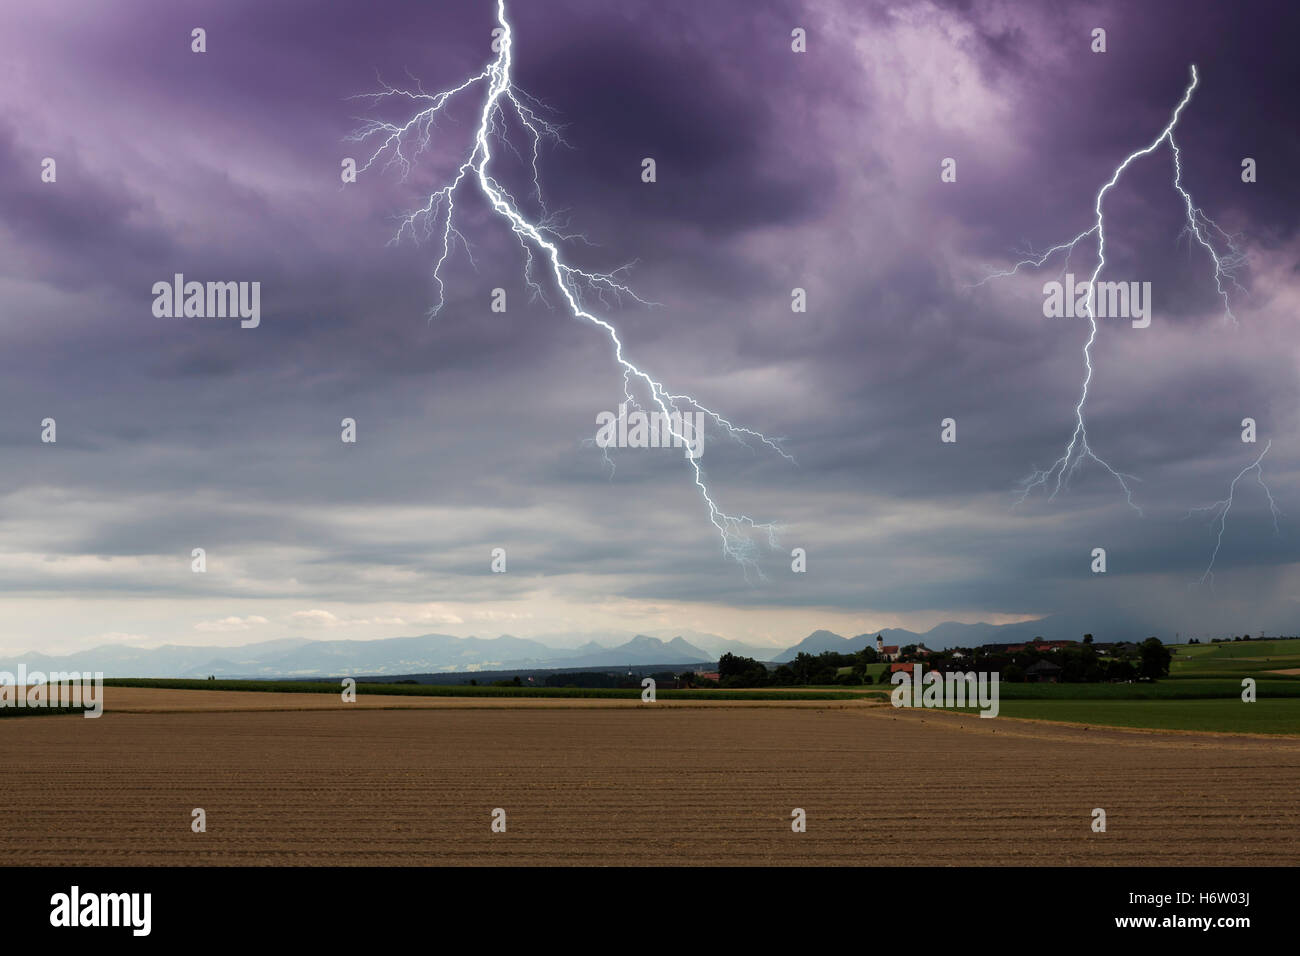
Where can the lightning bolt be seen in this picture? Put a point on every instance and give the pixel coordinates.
(1219, 509)
(1199, 229)
(400, 145)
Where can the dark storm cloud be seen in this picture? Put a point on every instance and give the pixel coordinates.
(728, 162)
(59, 232)
(775, 170)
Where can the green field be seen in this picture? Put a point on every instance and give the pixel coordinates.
(1241, 659)
(1189, 688)
(1265, 716)
(1202, 692)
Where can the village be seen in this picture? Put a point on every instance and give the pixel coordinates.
(1036, 661)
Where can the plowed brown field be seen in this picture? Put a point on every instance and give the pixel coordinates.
(617, 782)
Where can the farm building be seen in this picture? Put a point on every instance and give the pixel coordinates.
(1043, 672)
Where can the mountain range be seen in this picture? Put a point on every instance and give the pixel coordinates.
(431, 653)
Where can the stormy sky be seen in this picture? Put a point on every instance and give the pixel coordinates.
(775, 170)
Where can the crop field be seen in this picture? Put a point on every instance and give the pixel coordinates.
(466, 690)
(166, 699)
(612, 781)
(1279, 715)
(1259, 659)
(1183, 689)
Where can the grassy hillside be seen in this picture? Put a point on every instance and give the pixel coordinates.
(1258, 659)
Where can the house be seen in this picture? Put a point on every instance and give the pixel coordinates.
(909, 667)
(1043, 672)
(887, 652)
(707, 675)
(1117, 649)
